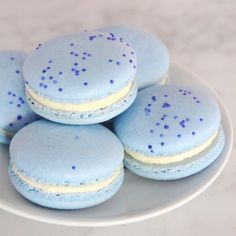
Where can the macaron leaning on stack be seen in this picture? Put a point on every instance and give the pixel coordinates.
(81, 78)
(15, 113)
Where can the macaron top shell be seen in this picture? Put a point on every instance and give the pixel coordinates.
(80, 67)
(56, 153)
(152, 54)
(167, 120)
(15, 113)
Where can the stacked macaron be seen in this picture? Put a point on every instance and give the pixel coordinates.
(117, 74)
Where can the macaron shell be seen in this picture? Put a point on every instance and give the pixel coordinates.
(168, 120)
(80, 67)
(182, 169)
(66, 154)
(152, 54)
(13, 104)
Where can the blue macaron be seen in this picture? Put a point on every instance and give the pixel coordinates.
(15, 112)
(152, 54)
(65, 166)
(81, 78)
(170, 132)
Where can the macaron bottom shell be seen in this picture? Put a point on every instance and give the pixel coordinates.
(96, 116)
(66, 201)
(181, 169)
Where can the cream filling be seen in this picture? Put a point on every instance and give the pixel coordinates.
(172, 158)
(68, 189)
(88, 106)
(164, 80)
(8, 134)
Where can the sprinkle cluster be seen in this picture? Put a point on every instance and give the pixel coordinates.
(166, 119)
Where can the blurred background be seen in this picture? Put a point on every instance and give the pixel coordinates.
(200, 34)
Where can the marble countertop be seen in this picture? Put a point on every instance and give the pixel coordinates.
(200, 34)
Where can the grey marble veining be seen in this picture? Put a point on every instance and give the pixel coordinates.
(199, 33)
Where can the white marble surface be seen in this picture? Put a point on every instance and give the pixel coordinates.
(199, 33)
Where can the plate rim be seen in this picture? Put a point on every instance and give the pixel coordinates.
(150, 213)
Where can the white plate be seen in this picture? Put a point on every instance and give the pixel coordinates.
(139, 198)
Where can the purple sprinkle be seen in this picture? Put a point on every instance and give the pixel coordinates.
(111, 81)
(179, 135)
(89, 55)
(10, 124)
(162, 118)
(77, 72)
(73, 167)
(45, 86)
(48, 68)
(201, 119)
(131, 61)
(50, 61)
(165, 105)
(149, 105)
(162, 135)
(166, 95)
(75, 64)
(124, 55)
(127, 45)
(149, 146)
(175, 117)
(154, 98)
(83, 58)
(71, 53)
(157, 124)
(197, 101)
(132, 53)
(17, 72)
(13, 94)
(194, 97)
(85, 83)
(9, 93)
(42, 78)
(84, 53)
(72, 69)
(180, 90)
(60, 73)
(60, 89)
(18, 105)
(83, 69)
(151, 131)
(51, 77)
(76, 54)
(184, 94)
(55, 81)
(41, 85)
(71, 44)
(134, 66)
(189, 92)
(117, 63)
(12, 58)
(19, 117)
(187, 120)
(110, 60)
(193, 133)
(162, 143)
(166, 127)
